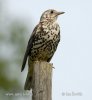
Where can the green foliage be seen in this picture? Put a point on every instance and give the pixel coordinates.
(12, 47)
(16, 42)
(13, 41)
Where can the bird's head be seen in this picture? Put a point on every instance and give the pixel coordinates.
(50, 15)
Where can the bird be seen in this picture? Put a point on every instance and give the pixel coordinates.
(43, 42)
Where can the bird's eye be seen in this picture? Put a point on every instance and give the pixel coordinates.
(51, 11)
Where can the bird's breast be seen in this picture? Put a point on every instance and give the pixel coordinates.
(45, 43)
(51, 31)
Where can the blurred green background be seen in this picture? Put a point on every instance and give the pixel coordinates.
(13, 40)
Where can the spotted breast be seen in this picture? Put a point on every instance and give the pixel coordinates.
(45, 42)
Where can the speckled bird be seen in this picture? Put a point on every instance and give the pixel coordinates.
(42, 43)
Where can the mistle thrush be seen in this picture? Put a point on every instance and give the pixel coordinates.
(42, 43)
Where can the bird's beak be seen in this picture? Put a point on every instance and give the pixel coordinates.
(59, 13)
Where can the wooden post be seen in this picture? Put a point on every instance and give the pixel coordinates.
(42, 81)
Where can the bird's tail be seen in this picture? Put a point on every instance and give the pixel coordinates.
(28, 83)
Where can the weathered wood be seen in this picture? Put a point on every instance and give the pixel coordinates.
(42, 81)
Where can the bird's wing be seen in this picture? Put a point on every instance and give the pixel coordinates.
(29, 47)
